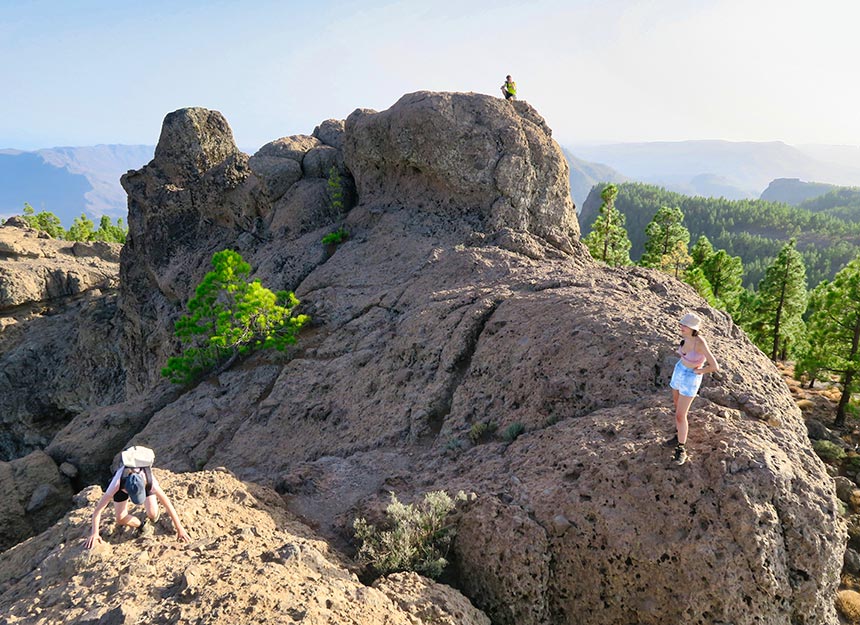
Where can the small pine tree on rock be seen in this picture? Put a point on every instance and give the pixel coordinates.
(230, 315)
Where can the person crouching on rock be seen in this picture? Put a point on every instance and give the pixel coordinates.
(696, 360)
(509, 89)
(134, 480)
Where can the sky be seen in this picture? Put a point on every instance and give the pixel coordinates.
(86, 72)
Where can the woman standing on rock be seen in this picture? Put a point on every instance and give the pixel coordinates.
(134, 480)
(696, 360)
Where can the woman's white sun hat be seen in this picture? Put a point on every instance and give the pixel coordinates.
(692, 321)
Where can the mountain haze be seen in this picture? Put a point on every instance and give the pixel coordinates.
(794, 191)
(734, 170)
(69, 180)
(584, 175)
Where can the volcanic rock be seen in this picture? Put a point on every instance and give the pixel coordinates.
(248, 562)
(33, 495)
(37, 269)
(462, 309)
(473, 158)
(58, 352)
(199, 195)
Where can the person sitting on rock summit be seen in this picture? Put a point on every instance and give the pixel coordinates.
(509, 89)
(134, 480)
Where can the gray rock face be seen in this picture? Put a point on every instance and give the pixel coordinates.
(58, 351)
(200, 195)
(331, 132)
(473, 158)
(193, 141)
(463, 298)
(33, 494)
(37, 269)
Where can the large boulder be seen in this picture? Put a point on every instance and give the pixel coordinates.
(476, 159)
(33, 495)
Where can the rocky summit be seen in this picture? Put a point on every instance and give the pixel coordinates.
(461, 339)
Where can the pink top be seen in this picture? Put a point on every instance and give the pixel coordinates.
(693, 357)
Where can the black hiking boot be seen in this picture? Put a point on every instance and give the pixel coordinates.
(671, 442)
(145, 529)
(680, 455)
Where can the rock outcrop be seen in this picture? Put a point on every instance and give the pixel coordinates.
(484, 162)
(36, 269)
(58, 358)
(462, 302)
(33, 494)
(210, 196)
(248, 562)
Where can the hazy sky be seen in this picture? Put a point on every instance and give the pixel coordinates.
(77, 72)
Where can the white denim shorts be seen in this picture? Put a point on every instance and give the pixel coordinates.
(685, 380)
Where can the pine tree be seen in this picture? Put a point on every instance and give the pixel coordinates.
(44, 221)
(109, 232)
(813, 356)
(83, 229)
(695, 277)
(676, 261)
(745, 312)
(836, 325)
(608, 240)
(725, 274)
(665, 233)
(230, 315)
(781, 301)
(701, 251)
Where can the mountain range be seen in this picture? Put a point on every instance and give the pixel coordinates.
(70, 180)
(733, 170)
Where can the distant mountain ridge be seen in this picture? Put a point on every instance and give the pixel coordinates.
(794, 191)
(584, 175)
(714, 168)
(69, 180)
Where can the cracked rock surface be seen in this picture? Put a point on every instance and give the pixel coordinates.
(248, 562)
(463, 301)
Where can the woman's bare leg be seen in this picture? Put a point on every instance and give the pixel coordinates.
(150, 504)
(123, 517)
(682, 407)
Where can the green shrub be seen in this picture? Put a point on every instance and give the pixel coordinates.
(335, 189)
(454, 444)
(83, 228)
(44, 221)
(513, 431)
(551, 420)
(229, 316)
(482, 431)
(417, 538)
(334, 238)
(827, 451)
